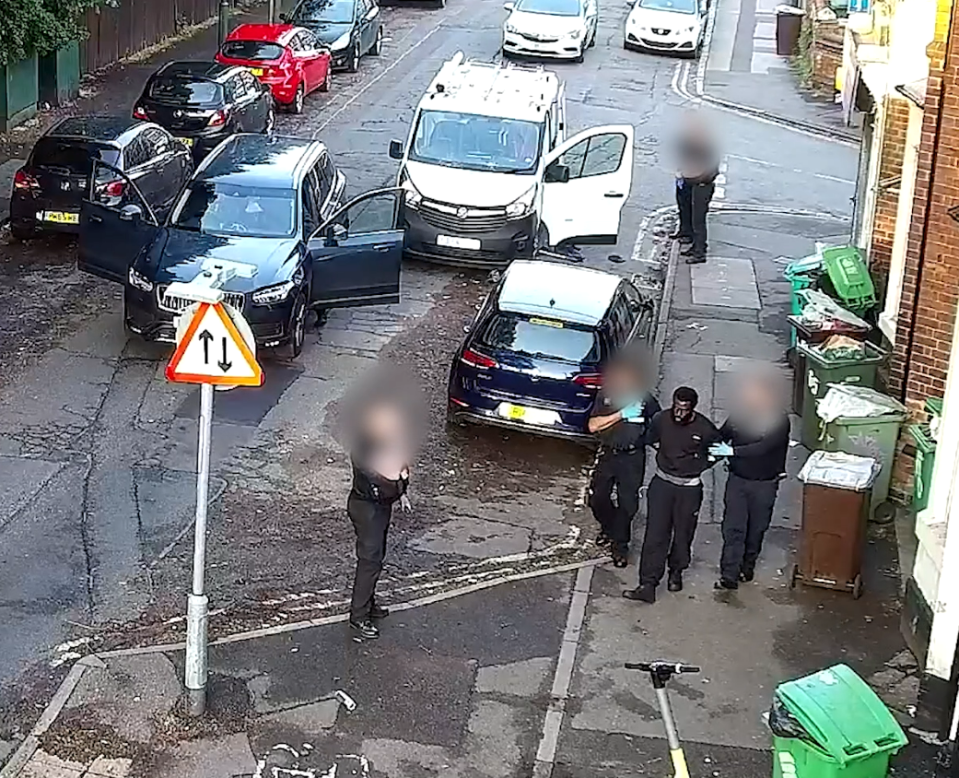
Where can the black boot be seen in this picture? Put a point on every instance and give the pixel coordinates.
(675, 582)
(724, 584)
(379, 612)
(645, 594)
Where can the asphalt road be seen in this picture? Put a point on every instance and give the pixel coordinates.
(97, 450)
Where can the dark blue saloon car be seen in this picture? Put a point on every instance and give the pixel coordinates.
(267, 204)
(534, 355)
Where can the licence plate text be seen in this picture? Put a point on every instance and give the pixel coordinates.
(256, 71)
(59, 217)
(186, 141)
(458, 243)
(527, 415)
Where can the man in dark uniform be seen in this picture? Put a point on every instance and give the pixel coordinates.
(695, 185)
(756, 441)
(675, 494)
(381, 478)
(619, 419)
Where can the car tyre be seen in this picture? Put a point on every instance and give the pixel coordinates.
(298, 325)
(328, 81)
(21, 233)
(298, 99)
(441, 3)
(582, 54)
(377, 48)
(592, 38)
(354, 64)
(270, 120)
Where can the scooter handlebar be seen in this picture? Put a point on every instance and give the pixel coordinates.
(677, 668)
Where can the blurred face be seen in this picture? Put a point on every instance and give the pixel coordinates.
(682, 411)
(385, 423)
(621, 379)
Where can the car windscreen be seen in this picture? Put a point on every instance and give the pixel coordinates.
(474, 142)
(73, 156)
(542, 338)
(551, 7)
(229, 209)
(324, 11)
(185, 91)
(676, 6)
(257, 51)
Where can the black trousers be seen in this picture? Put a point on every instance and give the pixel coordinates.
(371, 520)
(624, 472)
(700, 196)
(684, 202)
(748, 513)
(672, 513)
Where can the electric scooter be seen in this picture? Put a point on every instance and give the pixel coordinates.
(660, 673)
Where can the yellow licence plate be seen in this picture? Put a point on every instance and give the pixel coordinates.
(187, 141)
(256, 71)
(59, 217)
(515, 412)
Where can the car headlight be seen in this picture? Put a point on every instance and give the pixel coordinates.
(576, 34)
(139, 281)
(273, 294)
(521, 205)
(413, 198)
(342, 42)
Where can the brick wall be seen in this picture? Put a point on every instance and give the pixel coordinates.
(927, 312)
(892, 151)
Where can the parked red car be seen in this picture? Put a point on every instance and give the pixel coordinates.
(289, 59)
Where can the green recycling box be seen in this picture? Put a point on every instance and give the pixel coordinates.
(847, 730)
(821, 372)
(801, 274)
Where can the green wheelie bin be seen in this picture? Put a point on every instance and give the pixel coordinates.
(820, 372)
(832, 725)
(925, 464)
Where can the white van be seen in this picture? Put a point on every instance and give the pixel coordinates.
(490, 175)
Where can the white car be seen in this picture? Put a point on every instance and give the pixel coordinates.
(561, 29)
(666, 25)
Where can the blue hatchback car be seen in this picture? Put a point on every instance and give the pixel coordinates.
(534, 355)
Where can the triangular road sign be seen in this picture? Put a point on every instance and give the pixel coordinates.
(212, 351)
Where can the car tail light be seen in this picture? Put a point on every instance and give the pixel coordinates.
(23, 180)
(218, 119)
(140, 113)
(589, 380)
(113, 189)
(475, 359)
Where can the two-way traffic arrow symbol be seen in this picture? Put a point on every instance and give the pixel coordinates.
(223, 364)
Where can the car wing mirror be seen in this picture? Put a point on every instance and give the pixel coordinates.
(129, 213)
(285, 18)
(396, 149)
(557, 173)
(334, 233)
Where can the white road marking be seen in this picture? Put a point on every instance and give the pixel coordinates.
(553, 722)
(649, 219)
(767, 163)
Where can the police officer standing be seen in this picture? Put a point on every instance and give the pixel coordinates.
(619, 420)
(756, 441)
(695, 186)
(675, 494)
(381, 478)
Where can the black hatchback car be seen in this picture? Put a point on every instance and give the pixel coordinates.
(48, 189)
(350, 28)
(271, 208)
(204, 103)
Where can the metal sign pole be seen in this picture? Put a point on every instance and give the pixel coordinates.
(197, 604)
(272, 11)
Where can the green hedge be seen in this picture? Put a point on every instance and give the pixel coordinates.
(39, 27)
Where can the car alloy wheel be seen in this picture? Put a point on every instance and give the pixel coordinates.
(298, 326)
(377, 44)
(327, 82)
(270, 121)
(299, 98)
(354, 65)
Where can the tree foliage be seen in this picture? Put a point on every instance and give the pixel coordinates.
(29, 27)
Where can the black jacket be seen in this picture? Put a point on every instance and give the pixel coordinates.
(623, 434)
(757, 457)
(371, 486)
(683, 448)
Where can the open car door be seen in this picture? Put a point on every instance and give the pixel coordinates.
(586, 182)
(356, 254)
(116, 224)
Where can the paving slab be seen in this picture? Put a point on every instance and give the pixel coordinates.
(725, 282)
